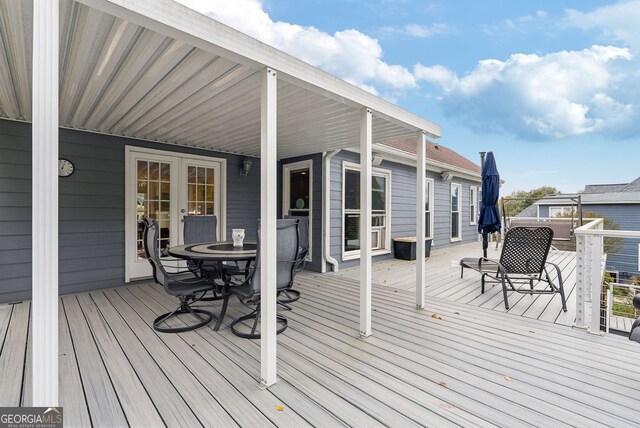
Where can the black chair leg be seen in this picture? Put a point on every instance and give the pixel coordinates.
(205, 318)
(223, 311)
(482, 284)
(255, 315)
(504, 294)
(288, 296)
(461, 272)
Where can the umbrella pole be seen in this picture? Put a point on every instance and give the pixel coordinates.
(485, 238)
(485, 244)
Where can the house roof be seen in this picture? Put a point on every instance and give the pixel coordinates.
(159, 71)
(435, 152)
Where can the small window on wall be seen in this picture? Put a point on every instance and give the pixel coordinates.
(561, 211)
(473, 205)
(380, 199)
(456, 219)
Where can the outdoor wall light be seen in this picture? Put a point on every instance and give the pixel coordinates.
(246, 167)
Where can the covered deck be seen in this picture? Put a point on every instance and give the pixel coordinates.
(450, 364)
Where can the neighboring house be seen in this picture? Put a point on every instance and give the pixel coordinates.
(161, 122)
(619, 202)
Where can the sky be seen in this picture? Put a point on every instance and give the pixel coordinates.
(552, 87)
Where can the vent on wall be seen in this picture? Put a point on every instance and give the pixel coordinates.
(447, 175)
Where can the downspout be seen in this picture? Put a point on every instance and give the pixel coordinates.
(326, 209)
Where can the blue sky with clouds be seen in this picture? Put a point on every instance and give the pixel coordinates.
(552, 87)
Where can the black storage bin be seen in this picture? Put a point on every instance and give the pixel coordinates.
(405, 248)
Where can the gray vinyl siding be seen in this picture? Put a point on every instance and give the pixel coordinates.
(315, 264)
(627, 216)
(91, 213)
(403, 208)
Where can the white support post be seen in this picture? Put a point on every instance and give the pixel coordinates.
(365, 221)
(268, 234)
(596, 282)
(44, 241)
(580, 280)
(421, 170)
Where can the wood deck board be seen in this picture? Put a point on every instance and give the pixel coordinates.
(492, 353)
(495, 400)
(102, 399)
(250, 346)
(162, 393)
(443, 280)
(12, 358)
(229, 385)
(110, 356)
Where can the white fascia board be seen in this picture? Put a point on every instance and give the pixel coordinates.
(189, 26)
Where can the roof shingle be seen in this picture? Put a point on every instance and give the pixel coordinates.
(436, 152)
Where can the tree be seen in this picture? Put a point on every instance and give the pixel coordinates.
(610, 245)
(518, 200)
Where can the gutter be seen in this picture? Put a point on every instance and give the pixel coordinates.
(326, 210)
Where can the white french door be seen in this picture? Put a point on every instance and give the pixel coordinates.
(165, 186)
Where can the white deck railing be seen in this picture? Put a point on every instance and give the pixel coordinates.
(590, 271)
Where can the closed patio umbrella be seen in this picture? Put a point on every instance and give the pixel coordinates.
(489, 221)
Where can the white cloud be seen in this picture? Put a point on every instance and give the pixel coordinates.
(417, 30)
(619, 22)
(348, 54)
(535, 97)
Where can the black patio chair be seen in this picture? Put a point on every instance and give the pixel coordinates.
(249, 290)
(185, 286)
(634, 334)
(522, 265)
(204, 229)
(289, 296)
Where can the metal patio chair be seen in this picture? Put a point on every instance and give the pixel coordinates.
(634, 334)
(523, 264)
(289, 296)
(199, 229)
(187, 287)
(249, 290)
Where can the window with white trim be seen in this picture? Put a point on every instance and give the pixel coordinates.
(561, 211)
(456, 218)
(473, 205)
(428, 208)
(380, 210)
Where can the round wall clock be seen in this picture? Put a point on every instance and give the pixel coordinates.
(65, 167)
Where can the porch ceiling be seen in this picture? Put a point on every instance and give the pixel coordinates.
(119, 78)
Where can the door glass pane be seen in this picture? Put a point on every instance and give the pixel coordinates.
(153, 193)
(200, 190)
(299, 189)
